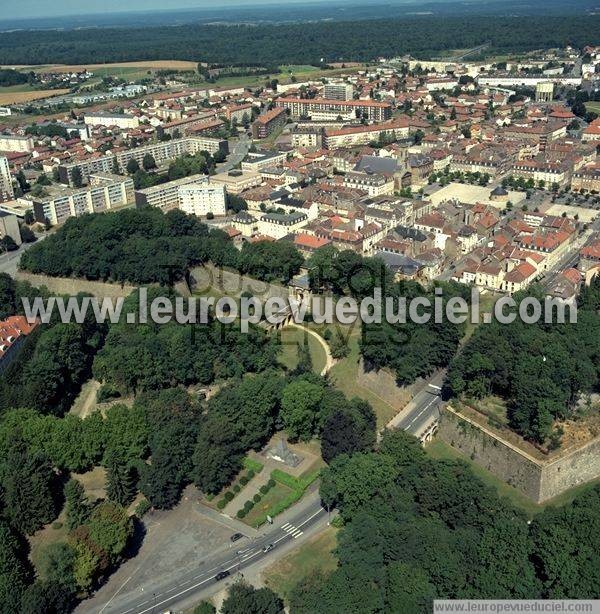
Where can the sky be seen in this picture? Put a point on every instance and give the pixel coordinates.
(57, 8)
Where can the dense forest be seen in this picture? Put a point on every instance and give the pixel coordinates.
(298, 43)
(166, 439)
(416, 529)
(539, 369)
(10, 77)
(146, 246)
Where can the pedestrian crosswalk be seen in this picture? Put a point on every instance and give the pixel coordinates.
(290, 529)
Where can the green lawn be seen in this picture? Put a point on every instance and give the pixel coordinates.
(314, 555)
(301, 72)
(288, 355)
(593, 106)
(343, 375)
(272, 498)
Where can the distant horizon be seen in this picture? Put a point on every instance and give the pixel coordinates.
(40, 9)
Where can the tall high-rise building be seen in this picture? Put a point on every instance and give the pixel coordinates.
(338, 91)
(6, 187)
(203, 198)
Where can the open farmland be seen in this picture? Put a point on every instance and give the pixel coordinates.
(18, 94)
(149, 65)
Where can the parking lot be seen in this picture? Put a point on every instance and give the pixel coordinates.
(176, 542)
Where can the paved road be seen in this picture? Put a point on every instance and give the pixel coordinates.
(289, 530)
(9, 260)
(239, 150)
(423, 409)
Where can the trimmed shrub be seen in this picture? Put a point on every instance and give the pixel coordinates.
(256, 498)
(264, 489)
(241, 513)
(248, 506)
(243, 480)
(250, 474)
(228, 496)
(271, 483)
(221, 503)
(250, 463)
(236, 488)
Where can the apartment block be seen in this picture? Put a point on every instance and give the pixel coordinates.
(165, 196)
(338, 91)
(104, 192)
(256, 161)
(363, 135)
(203, 198)
(6, 187)
(161, 152)
(121, 120)
(11, 142)
(269, 122)
(320, 108)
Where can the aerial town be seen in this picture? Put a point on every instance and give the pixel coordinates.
(483, 174)
(314, 467)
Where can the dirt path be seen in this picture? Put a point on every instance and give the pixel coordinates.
(85, 403)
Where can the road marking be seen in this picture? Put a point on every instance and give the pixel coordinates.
(290, 529)
(236, 564)
(421, 412)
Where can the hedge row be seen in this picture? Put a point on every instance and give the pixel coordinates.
(298, 487)
(254, 465)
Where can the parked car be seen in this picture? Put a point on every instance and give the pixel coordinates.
(268, 548)
(236, 536)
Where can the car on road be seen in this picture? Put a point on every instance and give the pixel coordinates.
(236, 536)
(222, 575)
(268, 548)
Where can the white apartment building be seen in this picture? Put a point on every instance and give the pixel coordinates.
(363, 135)
(6, 187)
(338, 91)
(121, 120)
(161, 152)
(203, 198)
(11, 142)
(105, 191)
(165, 196)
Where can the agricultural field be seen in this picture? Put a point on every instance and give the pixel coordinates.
(111, 68)
(24, 93)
